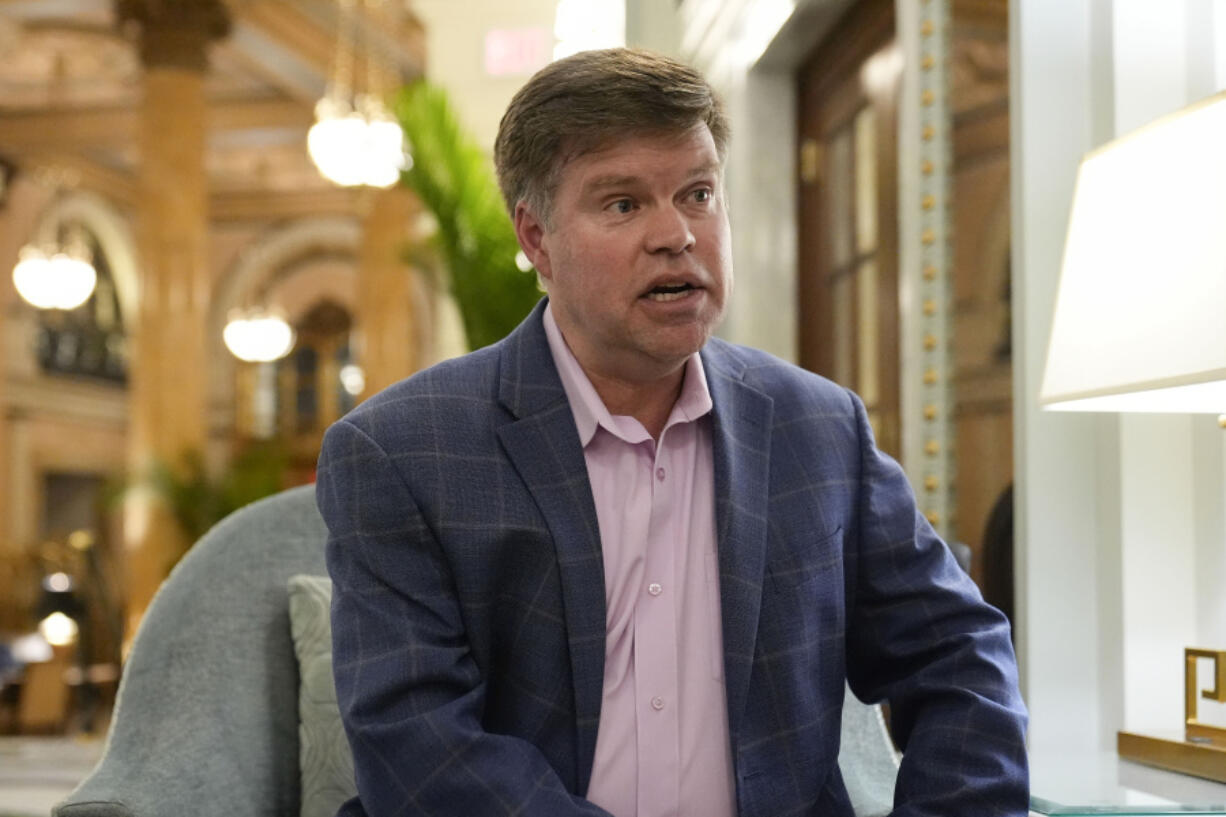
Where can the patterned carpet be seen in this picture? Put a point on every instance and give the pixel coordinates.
(36, 773)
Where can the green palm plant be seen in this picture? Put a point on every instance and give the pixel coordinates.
(475, 240)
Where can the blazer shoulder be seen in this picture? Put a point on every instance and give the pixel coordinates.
(442, 396)
(794, 390)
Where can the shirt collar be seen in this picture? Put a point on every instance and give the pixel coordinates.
(590, 411)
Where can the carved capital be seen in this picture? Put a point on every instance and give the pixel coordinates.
(174, 33)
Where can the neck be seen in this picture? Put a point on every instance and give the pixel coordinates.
(649, 402)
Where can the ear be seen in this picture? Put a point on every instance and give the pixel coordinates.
(530, 231)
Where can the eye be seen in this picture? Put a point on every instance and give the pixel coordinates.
(622, 206)
(702, 195)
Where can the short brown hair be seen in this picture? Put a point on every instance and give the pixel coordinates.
(581, 103)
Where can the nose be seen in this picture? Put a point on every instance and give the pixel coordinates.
(668, 231)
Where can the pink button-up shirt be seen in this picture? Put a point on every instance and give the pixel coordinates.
(663, 748)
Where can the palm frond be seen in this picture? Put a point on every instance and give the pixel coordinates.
(455, 182)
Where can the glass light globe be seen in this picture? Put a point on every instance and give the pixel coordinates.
(58, 582)
(357, 144)
(58, 629)
(385, 156)
(258, 337)
(30, 276)
(353, 379)
(59, 282)
(73, 280)
(336, 142)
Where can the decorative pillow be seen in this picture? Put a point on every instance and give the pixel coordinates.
(325, 760)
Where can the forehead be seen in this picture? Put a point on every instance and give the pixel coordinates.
(643, 155)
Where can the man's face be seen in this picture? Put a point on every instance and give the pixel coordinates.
(638, 259)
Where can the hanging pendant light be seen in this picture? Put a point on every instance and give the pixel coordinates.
(258, 335)
(355, 140)
(58, 278)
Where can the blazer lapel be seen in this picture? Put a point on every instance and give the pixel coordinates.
(543, 445)
(741, 450)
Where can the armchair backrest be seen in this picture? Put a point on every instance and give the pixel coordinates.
(210, 688)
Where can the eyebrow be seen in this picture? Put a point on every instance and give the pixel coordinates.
(602, 182)
(615, 180)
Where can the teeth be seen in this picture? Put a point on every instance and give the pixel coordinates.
(667, 296)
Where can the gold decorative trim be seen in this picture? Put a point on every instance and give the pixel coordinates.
(925, 36)
(1217, 692)
(1207, 760)
(1201, 750)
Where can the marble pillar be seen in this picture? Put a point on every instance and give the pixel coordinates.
(386, 308)
(168, 365)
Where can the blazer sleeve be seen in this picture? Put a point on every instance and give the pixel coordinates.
(410, 693)
(920, 636)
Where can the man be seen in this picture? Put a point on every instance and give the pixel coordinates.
(611, 566)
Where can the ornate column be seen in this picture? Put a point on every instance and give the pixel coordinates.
(386, 309)
(926, 268)
(168, 371)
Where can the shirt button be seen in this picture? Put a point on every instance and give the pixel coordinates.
(655, 589)
(657, 703)
(660, 474)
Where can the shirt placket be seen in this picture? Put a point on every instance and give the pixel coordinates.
(656, 669)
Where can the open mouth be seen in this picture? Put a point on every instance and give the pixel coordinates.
(669, 292)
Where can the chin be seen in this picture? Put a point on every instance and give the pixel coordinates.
(679, 351)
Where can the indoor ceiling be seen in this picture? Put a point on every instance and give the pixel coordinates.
(70, 93)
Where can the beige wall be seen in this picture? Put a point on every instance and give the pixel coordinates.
(455, 43)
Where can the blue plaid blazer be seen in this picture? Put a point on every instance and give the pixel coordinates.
(469, 609)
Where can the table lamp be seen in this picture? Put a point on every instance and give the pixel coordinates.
(1140, 325)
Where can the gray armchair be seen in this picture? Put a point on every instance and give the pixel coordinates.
(206, 721)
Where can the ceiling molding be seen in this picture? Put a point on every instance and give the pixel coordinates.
(265, 205)
(116, 185)
(117, 127)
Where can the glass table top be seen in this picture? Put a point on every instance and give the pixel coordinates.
(1098, 785)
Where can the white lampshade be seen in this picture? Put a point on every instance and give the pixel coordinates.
(1140, 320)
